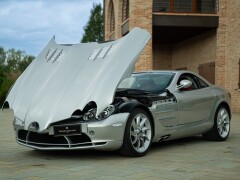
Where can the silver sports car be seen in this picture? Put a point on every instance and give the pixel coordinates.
(85, 96)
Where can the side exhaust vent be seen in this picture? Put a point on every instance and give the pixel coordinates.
(163, 138)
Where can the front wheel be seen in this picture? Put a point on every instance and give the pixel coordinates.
(138, 134)
(221, 128)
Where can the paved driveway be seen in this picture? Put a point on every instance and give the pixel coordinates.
(189, 158)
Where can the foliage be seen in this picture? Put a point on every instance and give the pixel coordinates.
(6, 85)
(12, 64)
(94, 28)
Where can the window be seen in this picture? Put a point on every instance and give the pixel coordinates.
(125, 17)
(112, 17)
(186, 6)
(201, 83)
(182, 5)
(153, 82)
(206, 6)
(125, 10)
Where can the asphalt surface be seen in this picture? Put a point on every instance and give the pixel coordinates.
(188, 158)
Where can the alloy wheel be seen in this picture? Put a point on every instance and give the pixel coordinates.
(223, 125)
(140, 132)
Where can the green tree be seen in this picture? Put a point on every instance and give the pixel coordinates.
(12, 64)
(22, 65)
(93, 31)
(4, 88)
(2, 71)
(2, 64)
(2, 56)
(13, 57)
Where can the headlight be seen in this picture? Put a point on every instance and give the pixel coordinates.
(91, 114)
(18, 122)
(106, 112)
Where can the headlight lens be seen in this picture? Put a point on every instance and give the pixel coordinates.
(18, 122)
(106, 112)
(91, 114)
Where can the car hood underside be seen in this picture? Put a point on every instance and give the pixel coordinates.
(65, 78)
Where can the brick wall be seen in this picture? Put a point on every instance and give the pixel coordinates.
(221, 44)
(140, 15)
(162, 57)
(198, 50)
(189, 53)
(232, 50)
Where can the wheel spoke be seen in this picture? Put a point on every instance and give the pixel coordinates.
(135, 140)
(222, 113)
(146, 137)
(224, 129)
(226, 123)
(138, 121)
(144, 129)
(220, 130)
(142, 143)
(134, 125)
(224, 117)
(138, 143)
(134, 133)
(143, 122)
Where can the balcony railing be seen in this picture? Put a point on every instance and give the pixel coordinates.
(186, 6)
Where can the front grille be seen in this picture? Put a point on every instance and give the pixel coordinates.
(50, 141)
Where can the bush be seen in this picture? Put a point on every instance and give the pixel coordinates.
(5, 85)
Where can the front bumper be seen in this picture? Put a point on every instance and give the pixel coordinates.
(102, 135)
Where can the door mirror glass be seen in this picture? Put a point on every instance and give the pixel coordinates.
(184, 84)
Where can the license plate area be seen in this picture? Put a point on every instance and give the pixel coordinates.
(67, 130)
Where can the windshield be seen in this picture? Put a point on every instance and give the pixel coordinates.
(151, 82)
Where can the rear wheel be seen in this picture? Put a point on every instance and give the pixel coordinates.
(138, 134)
(221, 128)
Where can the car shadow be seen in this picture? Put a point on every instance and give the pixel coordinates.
(74, 154)
(177, 143)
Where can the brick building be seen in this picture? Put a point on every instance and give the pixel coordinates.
(198, 35)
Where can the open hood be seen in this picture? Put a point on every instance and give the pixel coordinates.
(65, 78)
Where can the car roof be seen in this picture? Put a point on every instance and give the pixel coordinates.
(163, 71)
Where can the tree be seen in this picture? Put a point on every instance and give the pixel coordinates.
(12, 64)
(2, 69)
(13, 57)
(16, 61)
(2, 56)
(94, 28)
(22, 65)
(2, 64)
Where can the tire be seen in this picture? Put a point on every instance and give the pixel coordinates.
(138, 134)
(221, 128)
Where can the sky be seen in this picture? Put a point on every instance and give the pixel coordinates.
(29, 25)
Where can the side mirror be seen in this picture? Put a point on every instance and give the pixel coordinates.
(184, 84)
